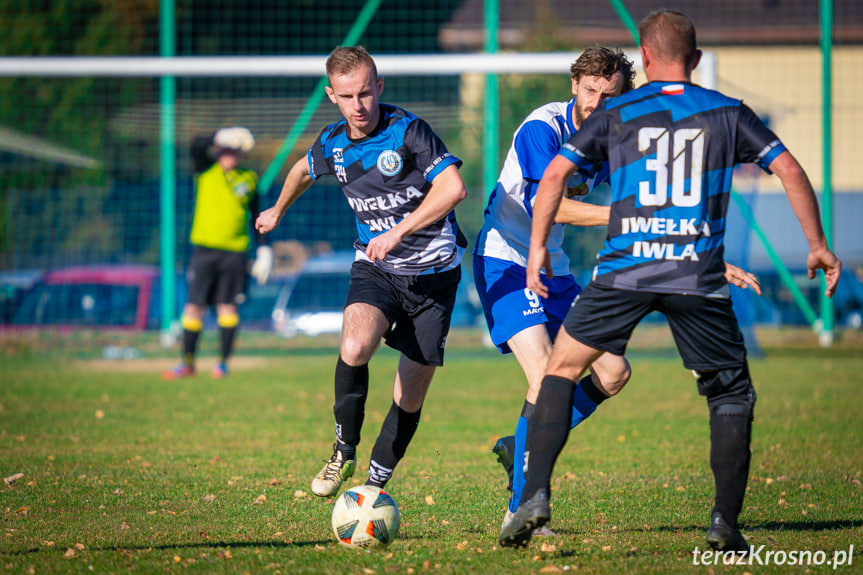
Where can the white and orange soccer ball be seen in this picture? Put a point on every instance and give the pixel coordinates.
(365, 517)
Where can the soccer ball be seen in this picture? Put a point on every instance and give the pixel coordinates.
(365, 517)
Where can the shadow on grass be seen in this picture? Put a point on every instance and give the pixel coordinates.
(761, 526)
(215, 546)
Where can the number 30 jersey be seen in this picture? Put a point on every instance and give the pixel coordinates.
(671, 148)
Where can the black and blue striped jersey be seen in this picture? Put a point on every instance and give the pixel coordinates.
(671, 148)
(385, 177)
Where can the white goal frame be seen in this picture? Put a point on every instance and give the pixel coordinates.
(307, 66)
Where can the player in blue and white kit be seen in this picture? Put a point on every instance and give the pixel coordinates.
(519, 320)
(671, 147)
(403, 185)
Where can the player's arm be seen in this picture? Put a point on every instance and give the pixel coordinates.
(802, 198)
(548, 197)
(446, 191)
(297, 181)
(582, 214)
(201, 151)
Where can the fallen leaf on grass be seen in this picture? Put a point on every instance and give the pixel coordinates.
(226, 554)
(429, 500)
(548, 548)
(209, 498)
(70, 553)
(299, 494)
(551, 569)
(13, 478)
(461, 546)
(260, 500)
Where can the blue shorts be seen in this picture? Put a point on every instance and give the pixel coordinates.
(510, 307)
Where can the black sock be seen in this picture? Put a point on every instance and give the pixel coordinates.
(590, 390)
(729, 458)
(547, 432)
(351, 389)
(226, 337)
(396, 433)
(190, 345)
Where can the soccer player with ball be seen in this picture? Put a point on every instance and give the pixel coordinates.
(671, 146)
(403, 186)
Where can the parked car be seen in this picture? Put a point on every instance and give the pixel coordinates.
(14, 286)
(314, 305)
(98, 296)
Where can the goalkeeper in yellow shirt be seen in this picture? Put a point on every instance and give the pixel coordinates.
(226, 199)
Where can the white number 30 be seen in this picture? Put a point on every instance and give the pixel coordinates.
(682, 162)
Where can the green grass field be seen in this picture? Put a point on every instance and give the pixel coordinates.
(123, 472)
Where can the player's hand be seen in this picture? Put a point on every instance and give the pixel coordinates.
(741, 278)
(267, 221)
(383, 244)
(538, 258)
(824, 259)
(263, 266)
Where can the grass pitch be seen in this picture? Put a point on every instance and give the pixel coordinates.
(123, 472)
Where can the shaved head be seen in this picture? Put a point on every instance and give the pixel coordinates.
(669, 35)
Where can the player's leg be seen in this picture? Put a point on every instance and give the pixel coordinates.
(419, 333)
(201, 278)
(411, 385)
(547, 432)
(192, 322)
(532, 348)
(362, 329)
(601, 321)
(523, 323)
(228, 320)
(230, 289)
(708, 337)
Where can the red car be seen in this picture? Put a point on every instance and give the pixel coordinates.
(97, 296)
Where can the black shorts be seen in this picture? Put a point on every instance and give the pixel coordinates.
(216, 276)
(705, 329)
(418, 308)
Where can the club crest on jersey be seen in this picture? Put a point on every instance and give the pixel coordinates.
(389, 163)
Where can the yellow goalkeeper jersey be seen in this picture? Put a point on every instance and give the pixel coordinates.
(221, 218)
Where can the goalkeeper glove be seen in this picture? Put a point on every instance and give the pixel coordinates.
(236, 138)
(263, 266)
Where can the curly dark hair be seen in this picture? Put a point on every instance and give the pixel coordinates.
(604, 62)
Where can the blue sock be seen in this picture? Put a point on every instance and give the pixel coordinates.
(518, 456)
(585, 400)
